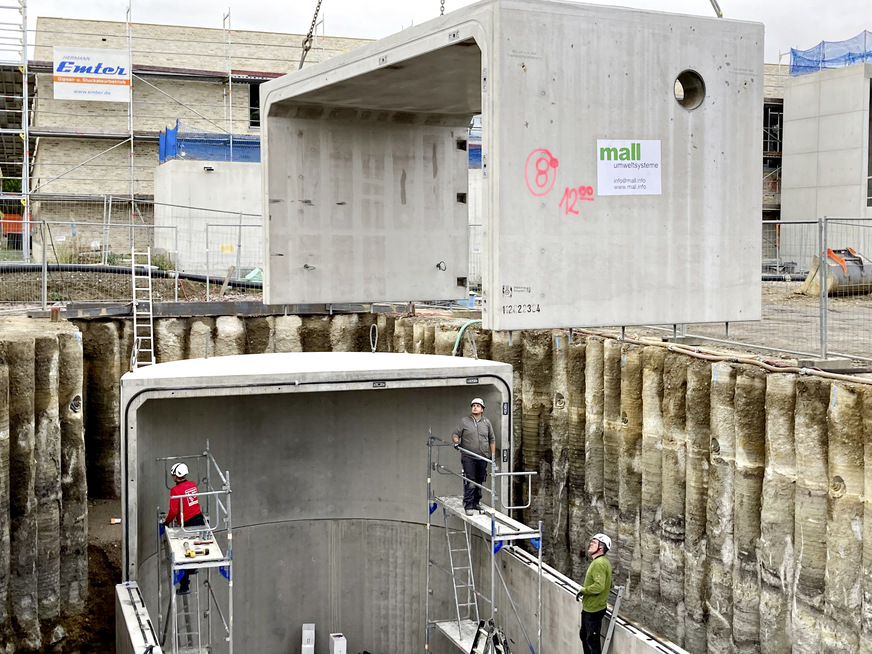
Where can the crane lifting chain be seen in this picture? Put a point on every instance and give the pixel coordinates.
(442, 7)
(307, 42)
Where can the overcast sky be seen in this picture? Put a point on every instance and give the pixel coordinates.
(795, 23)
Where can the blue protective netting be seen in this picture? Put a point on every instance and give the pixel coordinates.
(832, 54)
(186, 142)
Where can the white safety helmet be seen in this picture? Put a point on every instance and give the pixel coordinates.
(477, 400)
(605, 540)
(179, 470)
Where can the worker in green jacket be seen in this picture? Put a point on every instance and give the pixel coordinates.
(594, 595)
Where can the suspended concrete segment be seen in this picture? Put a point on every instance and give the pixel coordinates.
(620, 167)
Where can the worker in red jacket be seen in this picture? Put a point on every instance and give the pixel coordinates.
(184, 509)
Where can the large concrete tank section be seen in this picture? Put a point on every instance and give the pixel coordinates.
(620, 167)
(327, 454)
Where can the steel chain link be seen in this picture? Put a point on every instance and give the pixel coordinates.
(442, 8)
(307, 42)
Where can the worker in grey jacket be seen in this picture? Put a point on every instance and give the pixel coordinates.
(476, 434)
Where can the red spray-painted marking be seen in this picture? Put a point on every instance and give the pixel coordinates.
(542, 167)
(573, 195)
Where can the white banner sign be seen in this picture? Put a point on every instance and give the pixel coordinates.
(91, 74)
(628, 167)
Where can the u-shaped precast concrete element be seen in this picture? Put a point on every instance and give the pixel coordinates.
(736, 499)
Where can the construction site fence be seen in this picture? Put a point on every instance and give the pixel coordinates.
(80, 249)
(797, 319)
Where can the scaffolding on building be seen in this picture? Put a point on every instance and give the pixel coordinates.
(469, 627)
(189, 621)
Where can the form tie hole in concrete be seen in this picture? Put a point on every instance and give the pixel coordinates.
(716, 447)
(76, 404)
(559, 401)
(837, 487)
(689, 89)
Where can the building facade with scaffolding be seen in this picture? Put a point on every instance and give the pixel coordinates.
(90, 164)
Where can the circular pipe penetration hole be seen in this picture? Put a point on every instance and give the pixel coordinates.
(838, 487)
(689, 89)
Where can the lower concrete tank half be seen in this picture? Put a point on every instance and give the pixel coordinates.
(327, 455)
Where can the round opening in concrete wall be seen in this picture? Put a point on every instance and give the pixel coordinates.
(689, 89)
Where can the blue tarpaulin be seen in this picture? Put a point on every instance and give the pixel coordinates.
(185, 142)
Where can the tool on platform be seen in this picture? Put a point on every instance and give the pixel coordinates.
(191, 552)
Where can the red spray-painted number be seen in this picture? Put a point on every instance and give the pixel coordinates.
(540, 171)
(571, 196)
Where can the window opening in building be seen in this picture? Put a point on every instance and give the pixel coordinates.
(254, 104)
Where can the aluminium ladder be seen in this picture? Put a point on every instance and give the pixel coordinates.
(143, 315)
(462, 576)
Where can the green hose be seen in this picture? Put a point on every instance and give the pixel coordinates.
(460, 335)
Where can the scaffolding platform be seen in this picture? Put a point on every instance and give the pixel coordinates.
(491, 522)
(463, 638)
(181, 540)
(472, 626)
(188, 549)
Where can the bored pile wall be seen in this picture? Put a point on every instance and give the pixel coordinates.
(43, 496)
(735, 498)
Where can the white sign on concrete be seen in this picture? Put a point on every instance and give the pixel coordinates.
(91, 74)
(627, 167)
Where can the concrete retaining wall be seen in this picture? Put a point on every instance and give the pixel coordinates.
(735, 497)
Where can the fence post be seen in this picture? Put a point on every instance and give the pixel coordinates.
(44, 269)
(176, 260)
(823, 269)
(238, 242)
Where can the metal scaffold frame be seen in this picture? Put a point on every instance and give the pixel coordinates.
(497, 529)
(175, 545)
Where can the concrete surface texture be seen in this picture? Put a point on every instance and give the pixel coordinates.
(43, 502)
(826, 146)
(223, 192)
(597, 122)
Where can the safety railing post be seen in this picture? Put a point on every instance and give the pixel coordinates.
(429, 554)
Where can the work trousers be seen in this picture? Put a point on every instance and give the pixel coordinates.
(591, 626)
(474, 469)
(197, 521)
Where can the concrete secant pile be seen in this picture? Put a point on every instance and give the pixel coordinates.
(734, 494)
(43, 494)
